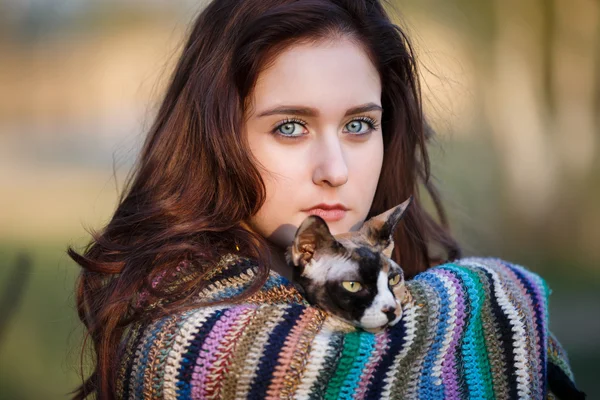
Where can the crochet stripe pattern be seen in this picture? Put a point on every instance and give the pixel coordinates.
(477, 328)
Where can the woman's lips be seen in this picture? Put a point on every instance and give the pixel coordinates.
(328, 215)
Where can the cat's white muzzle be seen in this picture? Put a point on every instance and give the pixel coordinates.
(375, 315)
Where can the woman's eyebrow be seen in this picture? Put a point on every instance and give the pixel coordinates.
(313, 112)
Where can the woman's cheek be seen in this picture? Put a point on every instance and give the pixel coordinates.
(367, 172)
(276, 220)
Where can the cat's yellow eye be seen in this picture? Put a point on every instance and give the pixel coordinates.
(394, 280)
(351, 286)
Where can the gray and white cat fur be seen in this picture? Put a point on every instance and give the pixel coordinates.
(351, 275)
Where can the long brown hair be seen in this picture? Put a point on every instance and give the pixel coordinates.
(185, 202)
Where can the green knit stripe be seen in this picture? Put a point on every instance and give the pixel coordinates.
(493, 344)
(332, 357)
(351, 346)
(406, 370)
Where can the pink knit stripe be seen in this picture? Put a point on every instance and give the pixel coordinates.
(218, 370)
(449, 373)
(208, 354)
(287, 353)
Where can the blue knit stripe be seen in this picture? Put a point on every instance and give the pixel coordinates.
(230, 291)
(165, 348)
(128, 371)
(427, 387)
(227, 293)
(270, 357)
(366, 346)
(145, 350)
(474, 362)
(188, 360)
(275, 281)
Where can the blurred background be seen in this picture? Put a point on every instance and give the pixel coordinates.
(511, 86)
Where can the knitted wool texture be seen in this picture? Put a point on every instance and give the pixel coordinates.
(477, 329)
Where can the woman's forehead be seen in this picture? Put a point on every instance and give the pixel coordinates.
(327, 77)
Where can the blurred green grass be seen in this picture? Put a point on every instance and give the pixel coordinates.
(41, 343)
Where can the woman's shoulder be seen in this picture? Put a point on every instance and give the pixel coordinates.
(483, 312)
(234, 274)
(487, 262)
(492, 273)
(187, 347)
(488, 278)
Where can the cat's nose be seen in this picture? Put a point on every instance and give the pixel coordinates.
(390, 313)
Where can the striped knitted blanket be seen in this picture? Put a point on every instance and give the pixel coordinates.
(478, 329)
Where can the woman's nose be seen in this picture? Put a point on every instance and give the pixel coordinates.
(330, 166)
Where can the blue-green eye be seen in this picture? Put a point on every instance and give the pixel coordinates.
(357, 126)
(290, 128)
(293, 128)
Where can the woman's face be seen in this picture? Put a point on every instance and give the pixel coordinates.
(314, 127)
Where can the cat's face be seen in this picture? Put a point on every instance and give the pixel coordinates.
(351, 275)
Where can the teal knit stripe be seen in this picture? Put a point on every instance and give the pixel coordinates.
(491, 333)
(484, 361)
(351, 345)
(477, 366)
(365, 350)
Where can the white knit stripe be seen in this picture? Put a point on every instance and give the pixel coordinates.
(411, 330)
(181, 341)
(532, 336)
(248, 372)
(545, 292)
(410, 320)
(451, 292)
(519, 332)
(316, 359)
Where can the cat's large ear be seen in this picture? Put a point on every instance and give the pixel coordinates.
(312, 235)
(379, 230)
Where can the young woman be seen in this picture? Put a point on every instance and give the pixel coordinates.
(279, 109)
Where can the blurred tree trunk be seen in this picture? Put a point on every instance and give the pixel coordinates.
(574, 66)
(515, 107)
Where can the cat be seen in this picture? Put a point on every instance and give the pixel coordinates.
(351, 275)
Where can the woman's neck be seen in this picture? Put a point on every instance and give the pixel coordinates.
(278, 263)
